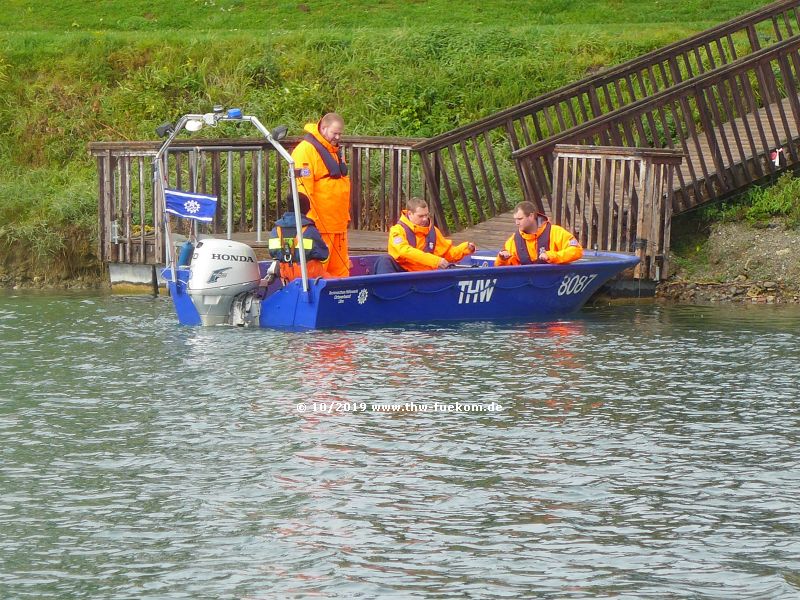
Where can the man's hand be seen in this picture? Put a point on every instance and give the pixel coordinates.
(443, 264)
(543, 256)
(504, 254)
(471, 247)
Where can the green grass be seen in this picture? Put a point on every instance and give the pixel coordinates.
(113, 71)
(759, 205)
(277, 16)
(782, 199)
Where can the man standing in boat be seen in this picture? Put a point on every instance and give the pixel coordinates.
(322, 175)
(537, 240)
(415, 244)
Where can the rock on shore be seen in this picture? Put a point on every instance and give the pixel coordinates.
(740, 290)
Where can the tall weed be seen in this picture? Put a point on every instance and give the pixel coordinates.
(37, 207)
(760, 204)
(782, 199)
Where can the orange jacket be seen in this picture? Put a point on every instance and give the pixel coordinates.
(564, 248)
(330, 198)
(414, 258)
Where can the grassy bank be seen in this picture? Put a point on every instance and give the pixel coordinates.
(69, 75)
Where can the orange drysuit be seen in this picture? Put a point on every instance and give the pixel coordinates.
(563, 247)
(314, 269)
(415, 258)
(329, 195)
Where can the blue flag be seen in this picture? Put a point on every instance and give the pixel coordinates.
(191, 206)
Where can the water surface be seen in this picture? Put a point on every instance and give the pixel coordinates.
(635, 451)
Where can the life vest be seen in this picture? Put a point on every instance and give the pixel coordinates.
(542, 243)
(430, 238)
(288, 246)
(336, 166)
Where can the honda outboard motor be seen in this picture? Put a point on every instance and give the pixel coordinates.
(222, 270)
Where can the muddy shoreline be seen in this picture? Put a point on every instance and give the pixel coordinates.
(741, 291)
(88, 281)
(682, 291)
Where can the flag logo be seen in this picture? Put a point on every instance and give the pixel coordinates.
(190, 206)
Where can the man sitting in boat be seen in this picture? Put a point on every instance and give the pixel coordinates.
(537, 240)
(283, 246)
(415, 244)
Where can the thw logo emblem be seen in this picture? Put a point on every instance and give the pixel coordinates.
(477, 290)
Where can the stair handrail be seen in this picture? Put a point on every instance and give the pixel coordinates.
(657, 98)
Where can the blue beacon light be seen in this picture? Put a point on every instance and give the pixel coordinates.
(234, 113)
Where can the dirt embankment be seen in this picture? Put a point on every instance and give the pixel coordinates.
(76, 267)
(740, 264)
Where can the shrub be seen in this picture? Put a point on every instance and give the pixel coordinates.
(782, 199)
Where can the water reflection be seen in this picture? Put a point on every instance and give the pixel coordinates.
(642, 451)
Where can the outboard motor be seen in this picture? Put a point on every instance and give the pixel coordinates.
(221, 270)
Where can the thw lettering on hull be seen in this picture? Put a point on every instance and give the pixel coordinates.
(475, 290)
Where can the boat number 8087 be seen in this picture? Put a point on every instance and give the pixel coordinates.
(575, 284)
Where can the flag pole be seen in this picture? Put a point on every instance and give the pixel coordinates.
(159, 186)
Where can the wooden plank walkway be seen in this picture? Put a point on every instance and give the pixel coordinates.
(741, 142)
(691, 96)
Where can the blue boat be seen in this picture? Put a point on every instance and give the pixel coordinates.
(474, 290)
(225, 284)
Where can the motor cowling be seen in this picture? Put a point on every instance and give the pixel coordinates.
(220, 271)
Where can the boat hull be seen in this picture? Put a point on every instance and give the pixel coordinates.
(473, 291)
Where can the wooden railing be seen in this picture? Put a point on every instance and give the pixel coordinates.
(727, 123)
(617, 199)
(250, 180)
(469, 171)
